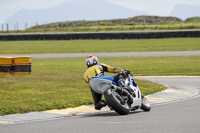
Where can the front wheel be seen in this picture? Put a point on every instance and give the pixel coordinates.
(116, 102)
(145, 104)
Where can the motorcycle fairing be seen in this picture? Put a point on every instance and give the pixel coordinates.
(101, 83)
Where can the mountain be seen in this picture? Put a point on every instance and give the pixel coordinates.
(74, 10)
(186, 11)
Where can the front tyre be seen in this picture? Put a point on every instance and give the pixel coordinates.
(145, 104)
(116, 102)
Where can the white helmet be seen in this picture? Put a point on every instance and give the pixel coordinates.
(91, 60)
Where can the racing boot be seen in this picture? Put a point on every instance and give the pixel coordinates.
(100, 105)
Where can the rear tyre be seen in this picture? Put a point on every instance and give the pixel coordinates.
(116, 102)
(145, 104)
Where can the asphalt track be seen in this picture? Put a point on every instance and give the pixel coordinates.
(176, 116)
(111, 54)
(177, 110)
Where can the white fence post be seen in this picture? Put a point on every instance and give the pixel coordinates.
(26, 26)
(193, 21)
(144, 22)
(98, 24)
(157, 22)
(180, 23)
(7, 27)
(17, 26)
(66, 26)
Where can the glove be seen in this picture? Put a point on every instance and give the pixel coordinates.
(127, 72)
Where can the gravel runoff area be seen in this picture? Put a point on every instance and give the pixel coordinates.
(111, 54)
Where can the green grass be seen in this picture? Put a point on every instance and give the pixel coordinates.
(137, 23)
(84, 46)
(181, 65)
(106, 27)
(58, 83)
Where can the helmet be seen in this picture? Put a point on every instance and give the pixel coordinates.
(91, 60)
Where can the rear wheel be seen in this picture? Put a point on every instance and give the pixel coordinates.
(145, 104)
(116, 102)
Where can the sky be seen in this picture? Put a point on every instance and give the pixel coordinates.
(154, 7)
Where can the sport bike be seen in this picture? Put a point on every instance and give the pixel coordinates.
(121, 99)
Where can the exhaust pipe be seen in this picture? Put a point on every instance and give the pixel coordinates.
(124, 93)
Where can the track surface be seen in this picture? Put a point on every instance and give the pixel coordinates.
(181, 117)
(175, 117)
(114, 54)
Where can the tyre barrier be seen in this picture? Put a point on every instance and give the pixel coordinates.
(22, 65)
(15, 65)
(6, 65)
(102, 35)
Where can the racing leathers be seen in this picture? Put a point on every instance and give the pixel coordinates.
(98, 70)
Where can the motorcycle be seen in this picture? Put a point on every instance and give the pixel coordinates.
(121, 99)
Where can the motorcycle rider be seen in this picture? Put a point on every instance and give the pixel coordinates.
(97, 69)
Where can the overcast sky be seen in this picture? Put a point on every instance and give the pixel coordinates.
(154, 7)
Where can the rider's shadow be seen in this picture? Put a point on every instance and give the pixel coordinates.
(110, 114)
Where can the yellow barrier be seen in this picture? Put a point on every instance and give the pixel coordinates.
(6, 64)
(22, 65)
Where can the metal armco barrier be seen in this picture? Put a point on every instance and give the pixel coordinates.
(102, 35)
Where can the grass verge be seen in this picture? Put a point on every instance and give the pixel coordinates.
(45, 91)
(85, 46)
(113, 27)
(58, 83)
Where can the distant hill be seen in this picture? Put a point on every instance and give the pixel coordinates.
(186, 11)
(126, 21)
(75, 10)
(151, 19)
